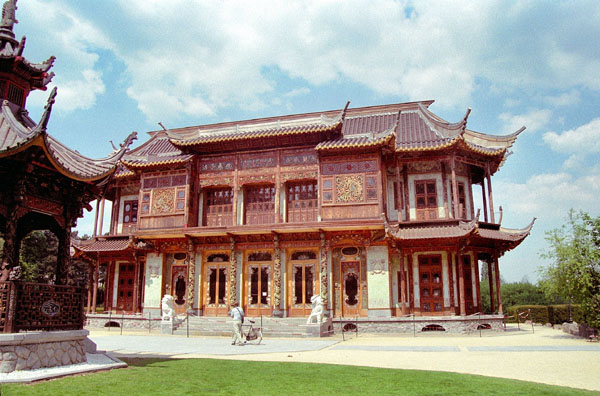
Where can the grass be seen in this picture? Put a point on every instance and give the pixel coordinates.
(235, 377)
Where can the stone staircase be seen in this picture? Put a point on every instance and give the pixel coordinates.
(221, 326)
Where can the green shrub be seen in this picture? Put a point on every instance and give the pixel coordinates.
(558, 314)
(538, 313)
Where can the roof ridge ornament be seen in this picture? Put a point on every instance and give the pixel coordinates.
(9, 17)
(43, 124)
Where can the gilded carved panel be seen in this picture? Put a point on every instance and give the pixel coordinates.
(163, 201)
(349, 189)
(337, 168)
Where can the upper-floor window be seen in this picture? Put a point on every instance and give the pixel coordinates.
(218, 208)
(11, 92)
(302, 202)
(260, 204)
(426, 199)
(130, 210)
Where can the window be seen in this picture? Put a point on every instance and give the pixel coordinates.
(426, 199)
(130, 210)
(260, 204)
(218, 207)
(302, 205)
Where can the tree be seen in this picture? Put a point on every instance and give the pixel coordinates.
(574, 271)
(38, 257)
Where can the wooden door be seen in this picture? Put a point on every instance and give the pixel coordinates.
(259, 289)
(430, 285)
(216, 295)
(125, 287)
(179, 285)
(351, 295)
(469, 306)
(302, 285)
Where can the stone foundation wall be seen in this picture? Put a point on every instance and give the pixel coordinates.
(127, 322)
(30, 351)
(454, 325)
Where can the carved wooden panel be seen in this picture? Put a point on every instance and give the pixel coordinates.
(262, 160)
(296, 157)
(163, 201)
(348, 167)
(220, 164)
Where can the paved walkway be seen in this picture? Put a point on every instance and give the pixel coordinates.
(546, 356)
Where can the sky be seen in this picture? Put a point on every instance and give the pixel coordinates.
(124, 66)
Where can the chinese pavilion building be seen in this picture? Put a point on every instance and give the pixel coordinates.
(371, 208)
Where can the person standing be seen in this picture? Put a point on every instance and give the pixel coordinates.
(237, 314)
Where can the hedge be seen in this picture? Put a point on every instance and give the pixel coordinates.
(555, 314)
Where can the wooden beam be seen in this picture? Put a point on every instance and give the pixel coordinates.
(485, 215)
(497, 276)
(489, 185)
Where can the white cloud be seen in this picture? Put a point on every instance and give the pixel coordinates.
(583, 139)
(297, 92)
(550, 195)
(205, 56)
(534, 120)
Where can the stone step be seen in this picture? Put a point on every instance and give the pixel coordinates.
(211, 326)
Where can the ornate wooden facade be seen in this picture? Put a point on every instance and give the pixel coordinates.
(372, 208)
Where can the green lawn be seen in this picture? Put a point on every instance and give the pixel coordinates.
(234, 377)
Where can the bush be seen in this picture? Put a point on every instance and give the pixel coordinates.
(539, 313)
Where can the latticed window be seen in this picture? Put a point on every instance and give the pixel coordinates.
(130, 211)
(219, 207)
(302, 205)
(260, 204)
(426, 198)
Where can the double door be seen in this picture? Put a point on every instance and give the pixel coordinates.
(258, 288)
(216, 289)
(126, 287)
(302, 285)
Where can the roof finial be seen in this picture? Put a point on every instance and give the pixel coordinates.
(162, 126)
(43, 124)
(9, 17)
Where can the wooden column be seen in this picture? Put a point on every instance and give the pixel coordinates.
(136, 285)
(63, 255)
(101, 216)
(96, 218)
(410, 288)
(485, 215)
(277, 312)
(445, 190)
(191, 274)
(277, 190)
(233, 297)
(406, 198)
(10, 252)
(489, 185)
(88, 307)
(454, 187)
(95, 293)
(402, 285)
(398, 192)
(324, 271)
(491, 282)
(470, 184)
(461, 284)
(236, 194)
(478, 289)
(497, 276)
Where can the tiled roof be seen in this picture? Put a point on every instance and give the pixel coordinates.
(372, 139)
(257, 129)
(506, 234)
(15, 137)
(431, 231)
(103, 245)
(155, 152)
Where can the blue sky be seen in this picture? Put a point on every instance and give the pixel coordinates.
(126, 65)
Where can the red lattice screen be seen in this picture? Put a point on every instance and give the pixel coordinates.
(40, 307)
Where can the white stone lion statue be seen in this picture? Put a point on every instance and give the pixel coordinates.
(317, 310)
(167, 307)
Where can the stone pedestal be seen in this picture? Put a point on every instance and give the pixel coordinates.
(323, 329)
(167, 326)
(30, 351)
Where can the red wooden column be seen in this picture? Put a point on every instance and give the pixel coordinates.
(470, 184)
(88, 308)
(461, 285)
(95, 294)
(101, 220)
(454, 187)
(491, 282)
(489, 185)
(445, 190)
(497, 276)
(324, 271)
(136, 285)
(477, 281)
(485, 215)
(403, 298)
(406, 198)
(409, 289)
